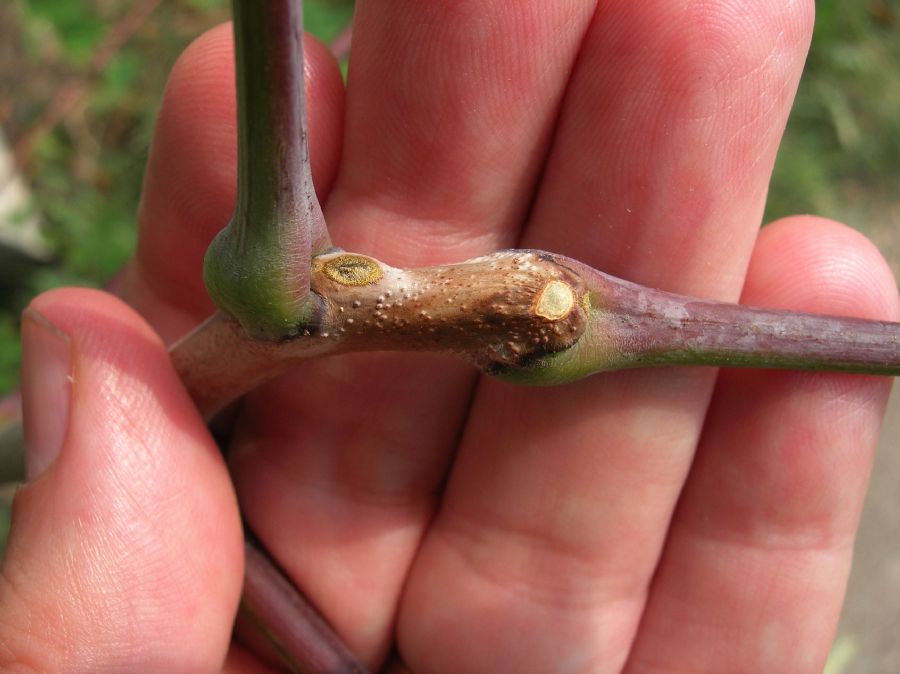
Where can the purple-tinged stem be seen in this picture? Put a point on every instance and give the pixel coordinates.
(257, 268)
(218, 361)
(629, 325)
(678, 331)
(274, 135)
(288, 623)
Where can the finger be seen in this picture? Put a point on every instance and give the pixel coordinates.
(450, 106)
(756, 564)
(667, 138)
(189, 189)
(450, 109)
(125, 547)
(557, 507)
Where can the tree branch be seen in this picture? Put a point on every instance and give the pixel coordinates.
(527, 317)
(257, 268)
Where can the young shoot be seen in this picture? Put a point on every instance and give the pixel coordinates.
(525, 316)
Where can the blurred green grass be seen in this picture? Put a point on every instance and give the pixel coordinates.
(839, 158)
(841, 150)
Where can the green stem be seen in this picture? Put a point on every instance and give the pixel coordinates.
(257, 268)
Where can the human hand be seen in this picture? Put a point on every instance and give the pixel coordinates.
(626, 522)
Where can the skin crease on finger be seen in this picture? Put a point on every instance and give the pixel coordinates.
(665, 182)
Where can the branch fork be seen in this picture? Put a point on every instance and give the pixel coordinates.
(526, 316)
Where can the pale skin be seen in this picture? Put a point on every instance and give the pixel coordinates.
(649, 521)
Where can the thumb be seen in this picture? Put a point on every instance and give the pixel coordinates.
(125, 552)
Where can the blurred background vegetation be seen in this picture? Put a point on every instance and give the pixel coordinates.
(80, 84)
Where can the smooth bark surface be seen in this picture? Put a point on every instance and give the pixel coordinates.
(257, 268)
(529, 317)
